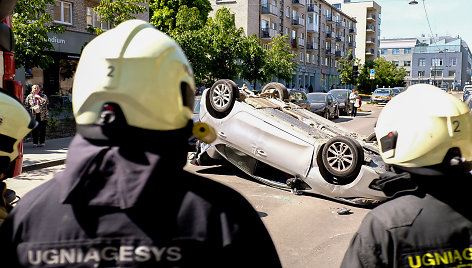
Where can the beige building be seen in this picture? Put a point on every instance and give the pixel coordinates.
(367, 15)
(319, 34)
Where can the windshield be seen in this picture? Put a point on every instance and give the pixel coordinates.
(316, 97)
(384, 91)
(340, 94)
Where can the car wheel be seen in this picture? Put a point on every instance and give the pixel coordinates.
(371, 137)
(278, 89)
(342, 157)
(221, 97)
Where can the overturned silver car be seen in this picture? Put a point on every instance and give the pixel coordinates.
(288, 147)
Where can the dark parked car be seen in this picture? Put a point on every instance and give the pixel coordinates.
(342, 95)
(299, 98)
(324, 104)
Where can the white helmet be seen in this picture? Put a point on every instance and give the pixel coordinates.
(140, 70)
(15, 124)
(420, 126)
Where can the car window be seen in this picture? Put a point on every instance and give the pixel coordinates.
(196, 106)
(387, 91)
(340, 94)
(316, 97)
(298, 96)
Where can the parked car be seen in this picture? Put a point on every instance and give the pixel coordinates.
(299, 98)
(468, 101)
(382, 95)
(397, 90)
(342, 95)
(285, 146)
(324, 104)
(466, 91)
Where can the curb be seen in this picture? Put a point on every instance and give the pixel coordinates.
(45, 164)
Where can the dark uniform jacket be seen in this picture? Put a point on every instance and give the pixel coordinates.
(122, 207)
(429, 227)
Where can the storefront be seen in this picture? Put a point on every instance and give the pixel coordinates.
(57, 79)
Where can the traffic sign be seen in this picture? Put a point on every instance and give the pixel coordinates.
(372, 73)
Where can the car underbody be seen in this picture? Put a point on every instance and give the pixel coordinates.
(287, 147)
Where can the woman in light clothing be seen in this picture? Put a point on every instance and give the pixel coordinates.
(354, 102)
(37, 103)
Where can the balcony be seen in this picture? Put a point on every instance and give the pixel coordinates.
(339, 54)
(329, 35)
(371, 17)
(370, 28)
(340, 24)
(268, 33)
(298, 22)
(298, 3)
(311, 46)
(339, 38)
(352, 30)
(370, 41)
(329, 51)
(271, 10)
(301, 42)
(313, 8)
(352, 44)
(329, 19)
(370, 52)
(310, 27)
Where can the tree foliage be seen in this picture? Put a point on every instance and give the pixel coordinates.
(118, 11)
(280, 63)
(345, 68)
(163, 13)
(31, 24)
(386, 75)
(253, 60)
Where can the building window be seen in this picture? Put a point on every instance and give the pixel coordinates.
(436, 73)
(63, 12)
(396, 63)
(395, 51)
(452, 73)
(420, 73)
(407, 63)
(407, 51)
(436, 62)
(384, 51)
(301, 56)
(422, 62)
(93, 20)
(452, 61)
(308, 58)
(408, 73)
(287, 12)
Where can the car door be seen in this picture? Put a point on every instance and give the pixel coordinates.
(331, 104)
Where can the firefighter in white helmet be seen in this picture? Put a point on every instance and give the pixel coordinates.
(124, 199)
(15, 124)
(425, 136)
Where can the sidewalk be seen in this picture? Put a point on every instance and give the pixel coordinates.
(53, 154)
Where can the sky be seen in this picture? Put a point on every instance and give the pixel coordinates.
(446, 17)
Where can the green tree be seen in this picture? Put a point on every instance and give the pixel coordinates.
(280, 63)
(118, 11)
(223, 45)
(163, 12)
(188, 33)
(31, 24)
(386, 75)
(253, 60)
(345, 69)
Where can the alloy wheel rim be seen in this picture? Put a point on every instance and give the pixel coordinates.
(221, 96)
(340, 156)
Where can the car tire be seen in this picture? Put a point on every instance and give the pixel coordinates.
(221, 97)
(278, 88)
(342, 157)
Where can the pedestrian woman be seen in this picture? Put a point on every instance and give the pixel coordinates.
(354, 102)
(37, 103)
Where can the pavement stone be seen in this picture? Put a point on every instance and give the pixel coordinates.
(53, 154)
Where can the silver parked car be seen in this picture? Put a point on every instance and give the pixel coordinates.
(342, 95)
(288, 147)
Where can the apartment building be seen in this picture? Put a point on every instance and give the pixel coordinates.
(367, 14)
(76, 16)
(400, 52)
(442, 61)
(319, 34)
